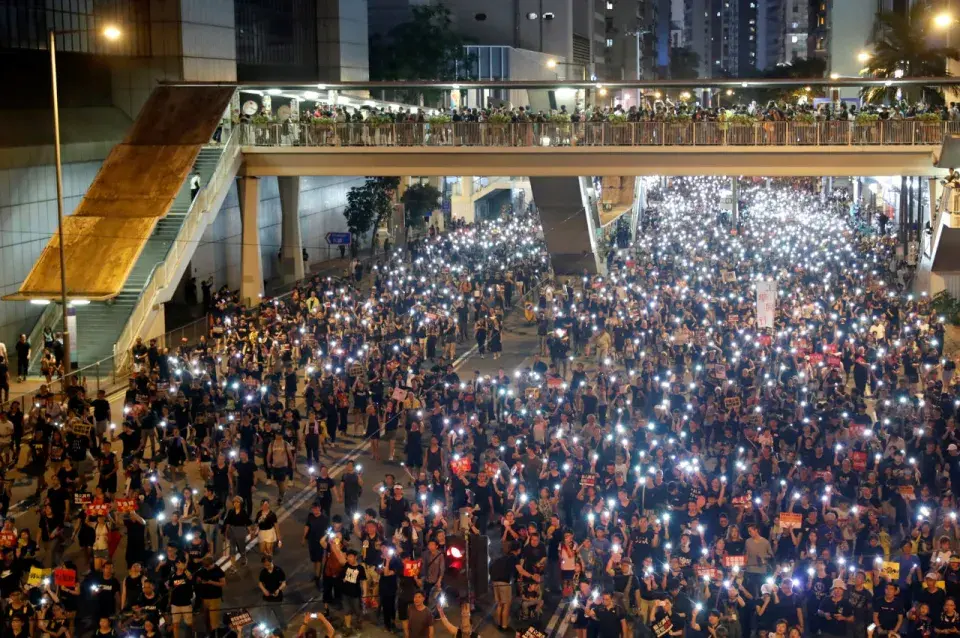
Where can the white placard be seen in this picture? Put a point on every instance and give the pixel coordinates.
(766, 303)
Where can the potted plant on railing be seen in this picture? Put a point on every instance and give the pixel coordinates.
(440, 125)
(497, 125)
(677, 129)
(323, 128)
(804, 126)
(866, 128)
(619, 127)
(740, 128)
(929, 128)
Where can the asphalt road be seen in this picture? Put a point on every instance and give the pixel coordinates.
(302, 595)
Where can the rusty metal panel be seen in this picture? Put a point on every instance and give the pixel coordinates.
(138, 181)
(100, 253)
(178, 115)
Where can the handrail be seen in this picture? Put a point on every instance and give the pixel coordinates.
(51, 316)
(159, 275)
(569, 134)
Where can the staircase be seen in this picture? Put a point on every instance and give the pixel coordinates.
(100, 323)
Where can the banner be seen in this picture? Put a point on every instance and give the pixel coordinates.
(766, 303)
(790, 520)
(126, 504)
(8, 539)
(98, 509)
(734, 561)
(35, 579)
(859, 460)
(65, 577)
(890, 570)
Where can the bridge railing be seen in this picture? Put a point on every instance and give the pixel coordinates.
(554, 134)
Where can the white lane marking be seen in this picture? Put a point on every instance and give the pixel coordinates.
(225, 562)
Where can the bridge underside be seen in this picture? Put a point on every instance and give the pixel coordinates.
(750, 161)
(566, 219)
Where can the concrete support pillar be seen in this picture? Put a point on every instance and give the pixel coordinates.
(251, 267)
(568, 224)
(291, 243)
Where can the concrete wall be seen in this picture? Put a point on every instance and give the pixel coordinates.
(28, 216)
(322, 200)
(342, 41)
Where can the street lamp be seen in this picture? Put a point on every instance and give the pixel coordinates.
(943, 20)
(553, 64)
(111, 33)
(863, 57)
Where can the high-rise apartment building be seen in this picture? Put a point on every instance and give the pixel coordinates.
(724, 34)
(782, 27)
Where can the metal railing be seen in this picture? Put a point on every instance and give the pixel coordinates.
(162, 274)
(552, 134)
(106, 374)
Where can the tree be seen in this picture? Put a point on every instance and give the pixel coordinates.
(800, 68)
(424, 48)
(906, 45)
(368, 205)
(419, 201)
(684, 63)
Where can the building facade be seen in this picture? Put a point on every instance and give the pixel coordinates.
(102, 85)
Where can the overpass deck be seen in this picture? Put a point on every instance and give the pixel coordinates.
(896, 147)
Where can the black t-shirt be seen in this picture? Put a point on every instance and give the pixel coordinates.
(608, 620)
(503, 569)
(245, 473)
(353, 575)
(325, 489)
(208, 592)
(107, 595)
(272, 580)
(532, 555)
(181, 589)
(388, 584)
(101, 409)
(888, 612)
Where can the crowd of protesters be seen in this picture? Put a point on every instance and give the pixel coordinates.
(673, 459)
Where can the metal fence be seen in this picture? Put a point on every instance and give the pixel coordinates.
(552, 134)
(110, 375)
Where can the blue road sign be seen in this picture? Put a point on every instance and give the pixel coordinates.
(338, 239)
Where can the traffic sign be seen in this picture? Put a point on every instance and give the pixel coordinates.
(338, 239)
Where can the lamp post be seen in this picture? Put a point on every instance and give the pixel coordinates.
(553, 64)
(110, 33)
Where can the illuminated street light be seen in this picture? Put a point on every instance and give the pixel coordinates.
(863, 57)
(943, 20)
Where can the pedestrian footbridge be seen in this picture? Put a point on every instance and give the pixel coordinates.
(762, 149)
(128, 243)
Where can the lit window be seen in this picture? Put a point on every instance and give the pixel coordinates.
(609, 42)
(609, 5)
(793, 39)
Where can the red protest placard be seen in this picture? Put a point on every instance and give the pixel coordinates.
(411, 568)
(834, 362)
(126, 504)
(816, 358)
(765, 340)
(65, 577)
(555, 382)
(859, 460)
(789, 520)
(460, 465)
(98, 509)
(8, 539)
(734, 561)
